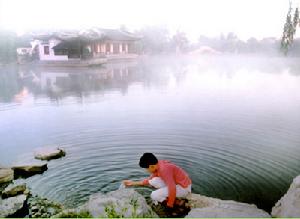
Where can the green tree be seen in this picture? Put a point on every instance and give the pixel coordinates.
(289, 29)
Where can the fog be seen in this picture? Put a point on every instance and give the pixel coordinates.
(214, 27)
(247, 18)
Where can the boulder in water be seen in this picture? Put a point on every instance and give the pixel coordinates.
(49, 153)
(28, 170)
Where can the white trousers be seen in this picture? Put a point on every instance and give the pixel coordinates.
(162, 191)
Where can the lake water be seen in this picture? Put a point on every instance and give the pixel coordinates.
(232, 123)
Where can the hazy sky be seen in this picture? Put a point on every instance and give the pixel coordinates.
(259, 18)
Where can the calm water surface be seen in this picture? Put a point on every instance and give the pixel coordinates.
(232, 124)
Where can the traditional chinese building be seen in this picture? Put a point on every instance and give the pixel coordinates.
(92, 46)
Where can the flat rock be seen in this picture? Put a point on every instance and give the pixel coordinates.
(289, 204)
(203, 206)
(49, 153)
(12, 206)
(6, 175)
(119, 203)
(28, 170)
(13, 190)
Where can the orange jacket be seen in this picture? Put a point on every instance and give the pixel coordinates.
(172, 175)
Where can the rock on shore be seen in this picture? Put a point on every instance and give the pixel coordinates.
(43, 208)
(120, 203)
(6, 175)
(289, 204)
(14, 190)
(11, 207)
(129, 203)
(203, 206)
(124, 203)
(13, 201)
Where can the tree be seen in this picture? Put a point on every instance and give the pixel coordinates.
(8, 46)
(180, 41)
(289, 29)
(155, 39)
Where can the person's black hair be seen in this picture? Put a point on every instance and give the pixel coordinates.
(148, 159)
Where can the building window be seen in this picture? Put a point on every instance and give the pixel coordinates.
(46, 50)
(60, 52)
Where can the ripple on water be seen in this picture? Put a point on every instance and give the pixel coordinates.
(234, 142)
(217, 171)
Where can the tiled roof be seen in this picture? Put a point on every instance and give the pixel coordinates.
(89, 35)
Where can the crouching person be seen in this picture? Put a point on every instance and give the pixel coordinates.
(170, 180)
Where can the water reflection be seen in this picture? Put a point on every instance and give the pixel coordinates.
(57, 83)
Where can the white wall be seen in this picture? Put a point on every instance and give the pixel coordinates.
(24, 51)
(51, 56)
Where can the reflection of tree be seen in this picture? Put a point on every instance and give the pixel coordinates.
(9, 84)
(152, 72)
(156, 71)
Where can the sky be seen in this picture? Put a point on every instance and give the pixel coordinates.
(246, 18)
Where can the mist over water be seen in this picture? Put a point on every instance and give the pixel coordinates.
(231, 122)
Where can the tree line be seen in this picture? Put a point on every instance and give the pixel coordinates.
(8, 46)
(158, 40)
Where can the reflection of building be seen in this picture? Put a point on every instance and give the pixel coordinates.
(49, 80)
(93, 46)
(63, 81)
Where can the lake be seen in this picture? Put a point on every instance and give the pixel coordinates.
(231, 122)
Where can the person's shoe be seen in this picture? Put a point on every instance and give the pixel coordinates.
(155, 202)
(179, 202)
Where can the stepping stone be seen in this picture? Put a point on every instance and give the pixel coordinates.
(49, 153)
(25, 171)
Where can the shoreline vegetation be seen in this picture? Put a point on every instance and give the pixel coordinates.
(17, 200)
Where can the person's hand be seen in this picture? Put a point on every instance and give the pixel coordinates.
(128, 183)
